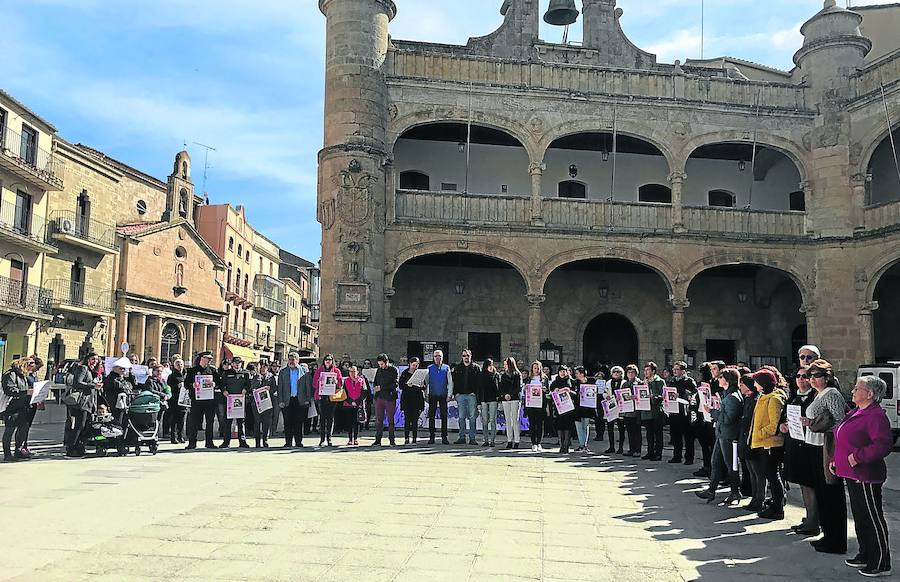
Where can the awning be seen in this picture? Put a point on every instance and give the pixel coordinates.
(246, 354)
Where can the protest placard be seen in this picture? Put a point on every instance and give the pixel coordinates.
(610, 409)
(795, 426)
(263, 399)
(141, 373)
(715, 402)
(418, 378)
(625, 400)
(41, 391)
(327, 383)
(234, 407)
(369, 375)
(587, 398)
(534, 396)
(641, 394)
(705, 394)
(204, 387)
(670, 400)
(563, 401)
(603, 387)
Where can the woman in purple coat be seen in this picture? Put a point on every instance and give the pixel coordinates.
(861, 442)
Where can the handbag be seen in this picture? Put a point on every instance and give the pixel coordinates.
(73, 397)
(339, 395)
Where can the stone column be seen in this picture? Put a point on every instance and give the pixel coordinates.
(867, 332)
(535, 305)
(678, 307)
(187, 347)
(121, 332)
(858, 183)
(200, 337)
(676, 179)
(154, 337)
(212, 342)
(807, 188)
(812, 330)
(389, 293)
(536, 169)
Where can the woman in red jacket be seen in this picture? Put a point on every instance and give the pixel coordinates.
(861, 442)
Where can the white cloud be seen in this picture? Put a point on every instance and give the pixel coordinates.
(680, 45)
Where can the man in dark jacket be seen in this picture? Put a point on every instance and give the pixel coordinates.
(654, 419)
(201, 410)
(294, 393)
(236, 382)
(680, 422)
(385, 387)
(465, 382)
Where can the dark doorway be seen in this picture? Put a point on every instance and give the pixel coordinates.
(725, 350)
(887, 335)
(484, 346)
(425, 351)
(610, 340)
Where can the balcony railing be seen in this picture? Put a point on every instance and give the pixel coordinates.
(70, 223)
(270, 304)
(884, 70)
(770, 223)
(38, 162)
(883, 215)
(20, 222)
(265, 340)
(23, 297)
(80, 297)
(581, 215)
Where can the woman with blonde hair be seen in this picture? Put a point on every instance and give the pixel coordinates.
(510, 400)
(536, 416)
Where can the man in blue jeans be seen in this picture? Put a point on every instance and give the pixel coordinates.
(439, 383)
(465, 379)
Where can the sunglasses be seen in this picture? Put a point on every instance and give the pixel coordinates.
(807, 357)
(803, 376)
(818, 375)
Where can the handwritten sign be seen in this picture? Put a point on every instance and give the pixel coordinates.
(795, 427)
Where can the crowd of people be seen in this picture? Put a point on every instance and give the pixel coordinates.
(750, 442)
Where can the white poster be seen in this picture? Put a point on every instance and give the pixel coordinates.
(369, 375)
(327, 383)
(204, 387)
(563, 401)
(263, 399)
(610, 409)
(625, 400)
(534, 396)
(235, 406)
(41, 391)
(795, 426)
(641, 397)
(587, 397)
(418, 378)
(141, 373)
(670, 400)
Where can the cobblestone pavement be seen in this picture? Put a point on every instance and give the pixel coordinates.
(420, 513)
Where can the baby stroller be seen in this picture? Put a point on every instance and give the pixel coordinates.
(103, 433)
(143, 423)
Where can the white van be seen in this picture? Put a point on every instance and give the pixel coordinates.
(890, 373)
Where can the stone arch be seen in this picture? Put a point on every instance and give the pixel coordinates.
(609, 307)
(483, 118)
(873, 139)
(593, 125)
(512, 258)
(657, 264)
(875, 270)
(804, 280)
(793, 151)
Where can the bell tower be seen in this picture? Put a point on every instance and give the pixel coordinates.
(352, 186)
(180, 191)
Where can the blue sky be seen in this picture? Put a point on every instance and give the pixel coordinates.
(138, 79)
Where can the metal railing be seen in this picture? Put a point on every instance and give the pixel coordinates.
(77, 294)
(73, 224)
(47, 166)
(24, 297)
(21, 221)
(268, 303)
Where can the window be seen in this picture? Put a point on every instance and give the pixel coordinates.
(18, 273)
(572, 189)
(798, 201)
(180, 253)
(721, 198)
(22, 217)
(29, 145)
(244, 326)
(655, 193)
(83, 213)
(231, 243)
(228, 279)
(414, 180)
(448, 187)
(171, 342)
(141, 207)
(183, 203)
(240, 250)
(403, 323)
(246, 284)
(2, 127)
(248, 256)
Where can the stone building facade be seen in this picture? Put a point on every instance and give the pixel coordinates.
(297, 329)
(29, 173)
(524, 197)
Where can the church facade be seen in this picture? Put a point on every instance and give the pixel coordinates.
(588, 204)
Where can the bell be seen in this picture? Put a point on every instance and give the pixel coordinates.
(561, 13)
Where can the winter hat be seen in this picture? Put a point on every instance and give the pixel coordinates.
(766, 379)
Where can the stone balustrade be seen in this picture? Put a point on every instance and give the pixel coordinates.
(652, 84)
(885, 70)
(881, 216)
(453, 208)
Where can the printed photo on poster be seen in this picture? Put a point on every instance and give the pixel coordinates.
(204, 387)
(587, 397)
(625, 400)
(263, 399)
(670, 400)
(234, 407)
(327, 384)
(563, 401)
(534, 396)
(610, 409)
(641, 397)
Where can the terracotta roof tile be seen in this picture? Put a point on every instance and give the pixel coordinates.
(137, 228)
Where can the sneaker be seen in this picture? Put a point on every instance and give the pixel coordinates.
(515, 445)
(224, 445)
(609, 451)
(509, 445)
(856, 562)
(540, 449)
(445, 441)
(674, 460)
(874, 572)
(485, 444)
(533, 448)
(772, 513)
